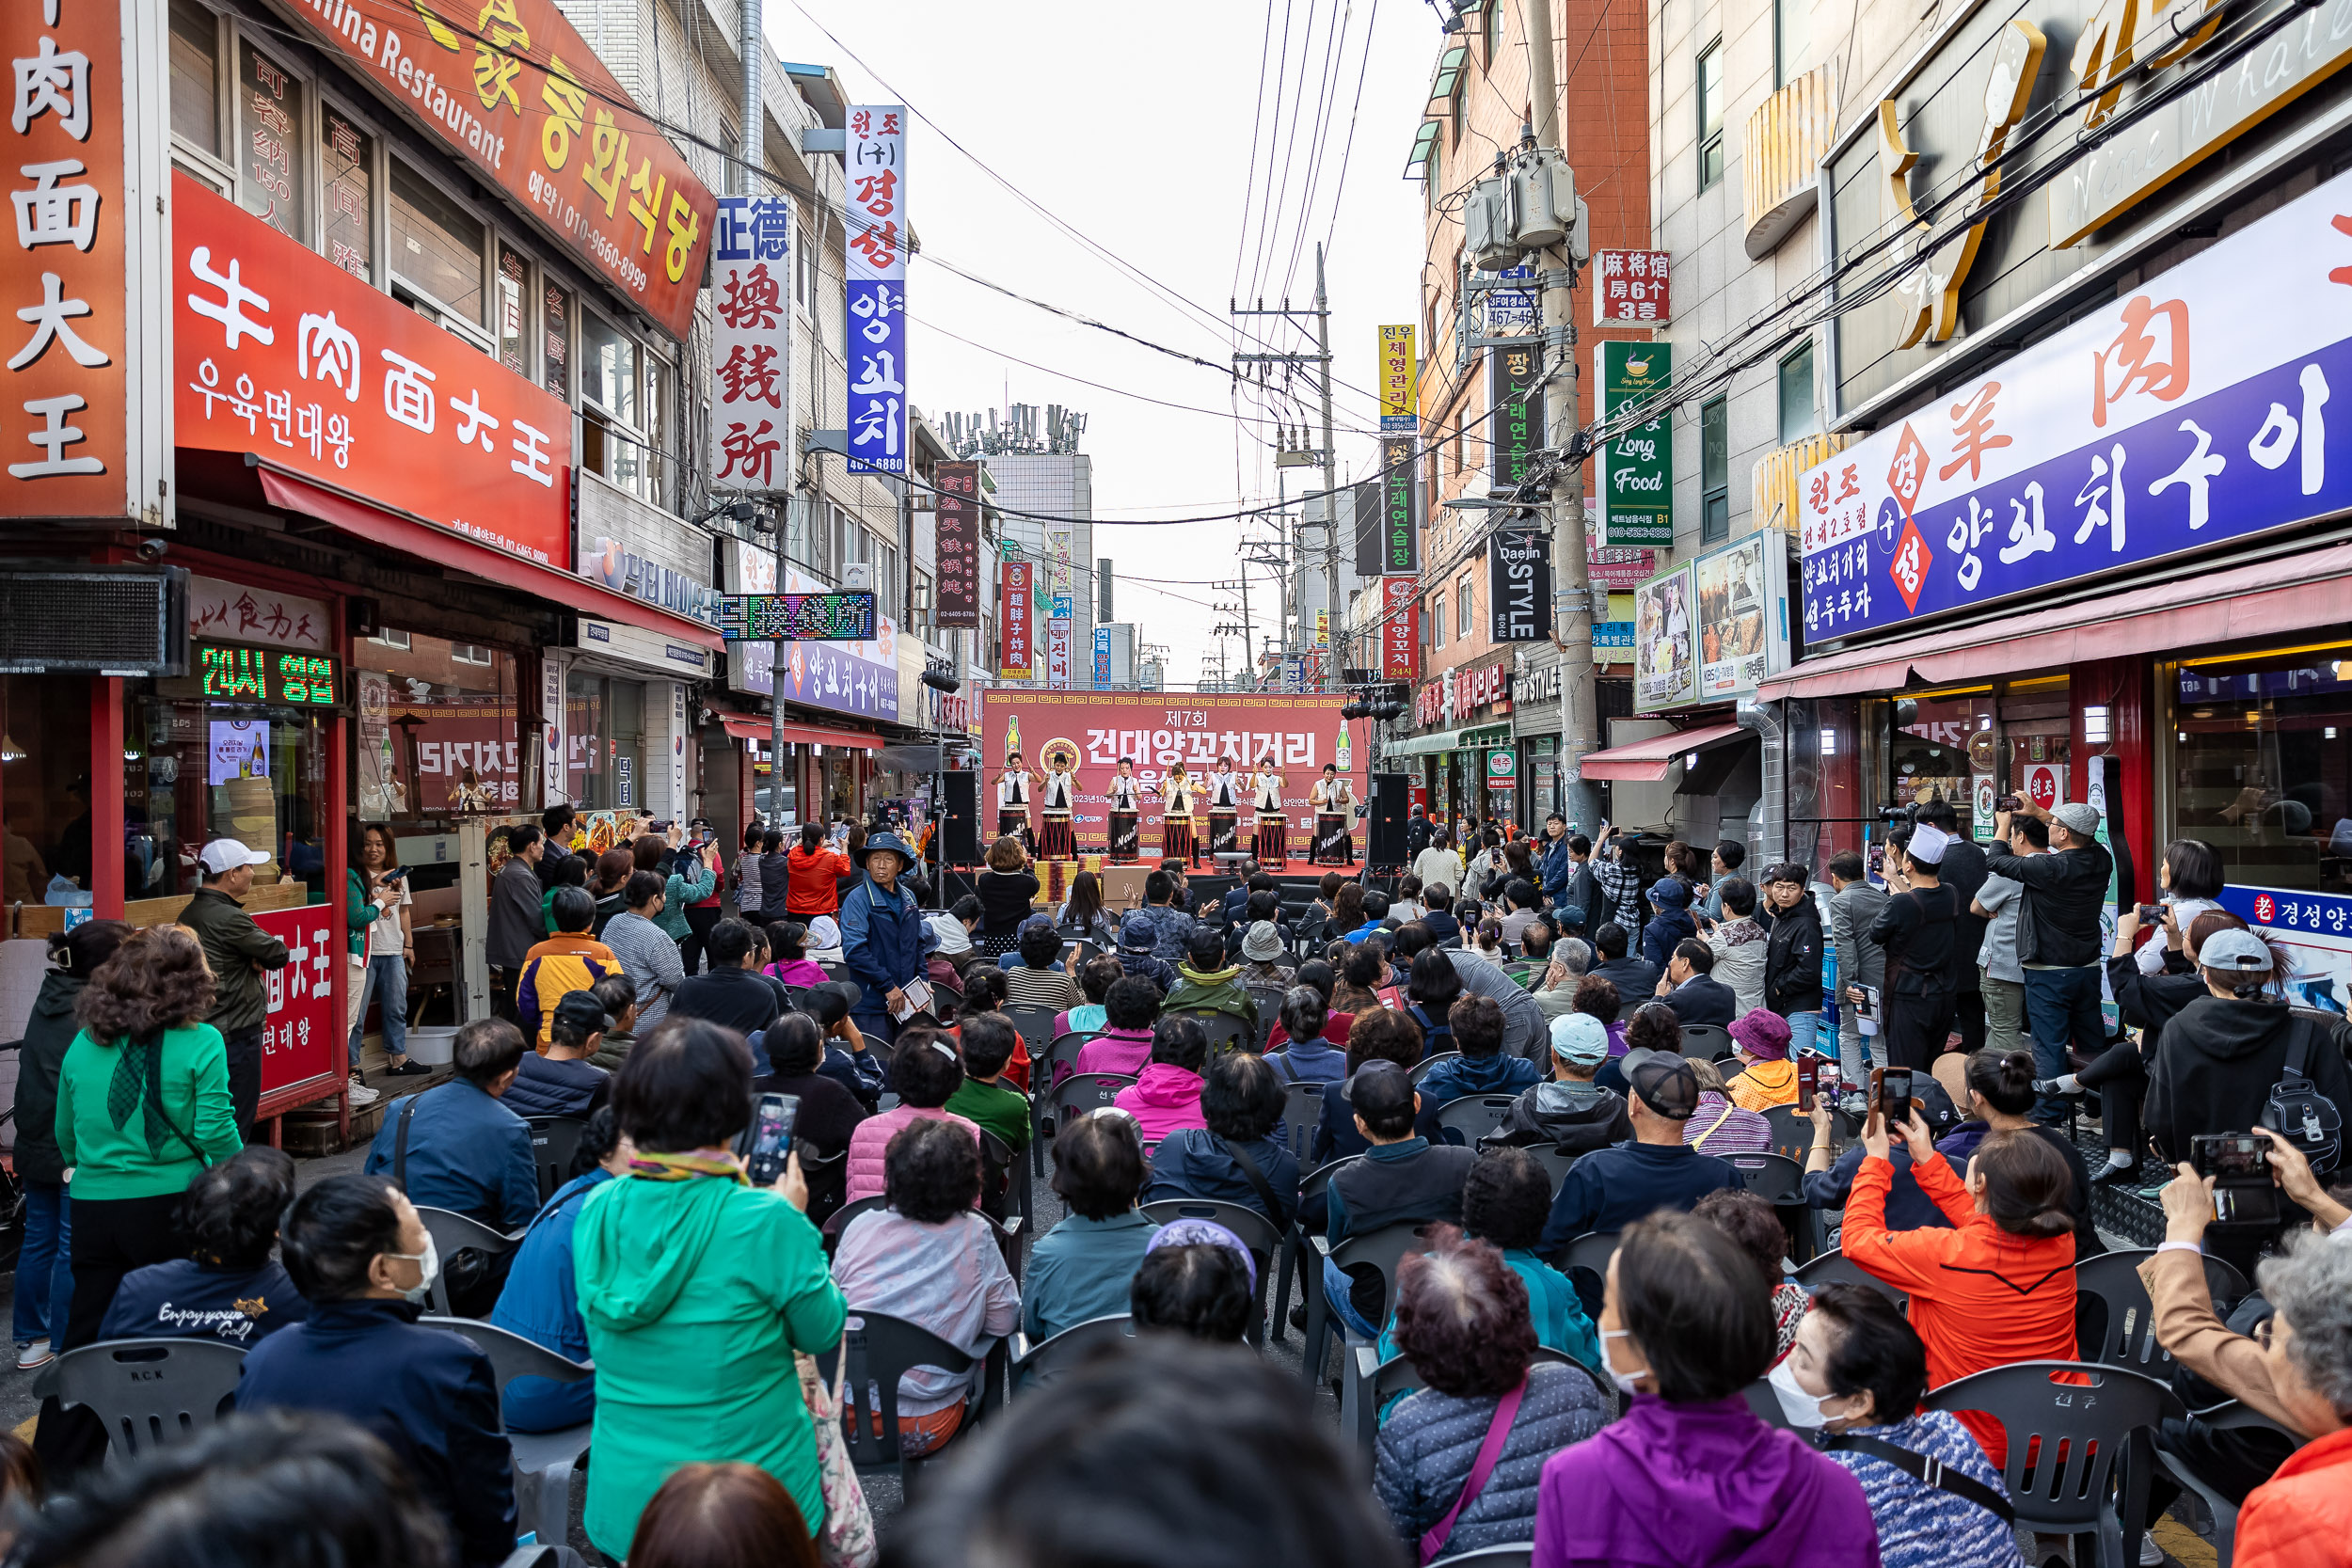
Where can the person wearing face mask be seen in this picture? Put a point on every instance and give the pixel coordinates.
(1856, 1376)
(364, 1261)
(1688, 1476)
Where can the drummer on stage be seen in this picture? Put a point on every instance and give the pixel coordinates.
(1060, 794)
(1269, 829)
(1225, 791)
(1178, 841)
(1012, 800)
(1334, 801)
(1126, 801)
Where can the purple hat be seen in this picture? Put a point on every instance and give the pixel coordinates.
(1762, 1033)
(1187, 1232)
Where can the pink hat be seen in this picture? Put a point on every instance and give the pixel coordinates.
(1762, 1033)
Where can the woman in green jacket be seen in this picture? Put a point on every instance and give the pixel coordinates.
(142, 1106)
(697, 1289)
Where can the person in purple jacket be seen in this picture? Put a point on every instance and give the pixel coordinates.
(1688, 1476)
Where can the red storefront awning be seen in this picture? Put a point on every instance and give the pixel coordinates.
(2289, 593)
(1647, 761)
(751, 726)
(422, 539)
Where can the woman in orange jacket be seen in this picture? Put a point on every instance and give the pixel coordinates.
(1996, 1287)
(2302, 1517)
(814, 866)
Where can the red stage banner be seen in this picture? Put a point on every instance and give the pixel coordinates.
(1159, 728)
(302, 1035)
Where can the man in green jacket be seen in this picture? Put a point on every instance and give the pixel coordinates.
(240, 953)
(1206, 983)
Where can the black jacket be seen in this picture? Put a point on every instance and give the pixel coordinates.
(1792, 961)
(2217, 1061)
(1636, 980)
(1963, 872)
(739, 998)
(2060, 923)
(1703, 999)
(2148, 1002)
(544, 1086)
(40, 1058)
(1576, 1119)
(1919, 930)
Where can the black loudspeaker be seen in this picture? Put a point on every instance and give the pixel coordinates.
(1384, 819)
(960, 829)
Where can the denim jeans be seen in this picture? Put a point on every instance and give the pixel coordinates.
(387, 979)
(2062, 1008)
(44, 1269)
(1337, 1286)
(1803, 1030)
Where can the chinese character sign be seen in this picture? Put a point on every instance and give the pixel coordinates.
(1629, 287)
(1013, 596)
(956, 515)
(301, 1042)
(2190, 413)
(1400, 380)
(751, 344)
(280, 353)
(798, 617)
(1399, 628)
(875, 277)
(521, 98)
(1519, 585)
(1636, 483)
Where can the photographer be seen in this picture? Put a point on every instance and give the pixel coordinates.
(1919, 930)
(2057, 934)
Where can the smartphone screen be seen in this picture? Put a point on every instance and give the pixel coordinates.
(2230, 1154)
(772, 1135)
(1895, 1095)
(1808, 1076)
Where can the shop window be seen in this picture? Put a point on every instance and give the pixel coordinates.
(514, 290)
(196, 76)
(1714, 471)
(2263, 768)
(273, 164)
(437, 253)
(1796, 396)
(45, 790)
(1711, 103)
(604, 733)
(348, 161)
(437, 733)
(196, 769)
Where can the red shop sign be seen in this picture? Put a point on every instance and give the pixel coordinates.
(1400, 636)
(280, 353)
(1013, 593)
(302, 1035)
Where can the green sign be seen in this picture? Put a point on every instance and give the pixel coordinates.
(1636, 479)
(233, 672)
(1515, 393)
(1400, 509)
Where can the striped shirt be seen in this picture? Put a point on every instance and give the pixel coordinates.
(1926, 1527)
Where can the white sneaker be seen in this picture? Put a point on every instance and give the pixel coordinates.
(2151, 1555)
(37, 1353)
(361, 1094)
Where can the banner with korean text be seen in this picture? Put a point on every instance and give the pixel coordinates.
(1399, 628)
(1400, 380)
(1636, 480)
(1095, 729)
(956, 518)
(875, 277)
(280, 353)
(856, 678)
(1016, 587)
(751, 342)
(2192, 412)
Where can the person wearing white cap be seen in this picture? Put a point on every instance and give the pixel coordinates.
(2060, 947)
(240, 953)
(1917, 928)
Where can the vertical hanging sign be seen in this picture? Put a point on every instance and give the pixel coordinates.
(1400, 380)
(751, 351)
(1400, 509)
(956, 520)
(875, 276)
(1516, 399)
(1519, 585)
(1017, 661)
(1636, 481)
(1399, 629)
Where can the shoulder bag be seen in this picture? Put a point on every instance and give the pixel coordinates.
(1256, 1178)
(1489, 1455)
(2297, 1112)
(1934, 1472)
(847, 1539)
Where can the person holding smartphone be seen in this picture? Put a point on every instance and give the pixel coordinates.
(1917, 927)
(382, 943)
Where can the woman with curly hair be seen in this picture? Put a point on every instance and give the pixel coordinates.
(142, 1107)
(1462, 1321)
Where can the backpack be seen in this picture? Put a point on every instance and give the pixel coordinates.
(2297, 1112)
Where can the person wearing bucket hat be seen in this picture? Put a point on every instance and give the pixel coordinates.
(1610, 1188)
(882, 938)
(2058, 940)
(1766, 1077)
(1568, 1109)
(1262, 954)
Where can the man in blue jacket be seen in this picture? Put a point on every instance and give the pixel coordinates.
(882, 936)
(364, 1261)
(541, 1299)
(454, 1147)
(1610, 1188)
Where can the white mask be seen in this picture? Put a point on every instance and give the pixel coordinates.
(1627, 1383)
(428, 1269)
(1802, 1410)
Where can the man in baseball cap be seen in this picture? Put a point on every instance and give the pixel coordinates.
(1403, 1179)
(240, 953)
(1609, 1188)
(1569, 1110)
(2060, 953)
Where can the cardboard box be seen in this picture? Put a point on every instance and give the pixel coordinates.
(1122, 887)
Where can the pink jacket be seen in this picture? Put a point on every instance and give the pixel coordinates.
(872, 1138)
(1123, 1051)
(1166, 1098)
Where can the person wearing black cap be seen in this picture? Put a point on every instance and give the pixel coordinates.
(1403, 1179)
(564, 1083)
(1919, 929)
(1610, 1188)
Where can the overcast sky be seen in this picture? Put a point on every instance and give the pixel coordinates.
(1136, 126)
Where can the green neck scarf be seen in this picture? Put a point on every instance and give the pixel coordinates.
(686, 1166)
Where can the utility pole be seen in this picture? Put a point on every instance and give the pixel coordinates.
(1287, 457)
(1330, 490)
(1571, 595)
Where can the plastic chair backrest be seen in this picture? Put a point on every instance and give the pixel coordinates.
(1381, 1249)
(1474, 1115)
(996, 1162)
(1035, 1026)
(1835, 1265)
(1773, 1177)
(1555, 1161)
(1063, 1050)
(1398, 1375)
(1710, 1040)
(838, 1221)
(1429, 1064)
(1073, 1346)
(881, 1349)
(2082, 1415)
(1082, 1092)
(1223, 1029)
(1302, 1113)
(452, 1233)
(150, 1393)
(1512, 1555)
(2129, 1336)
(1256, 1231)
(1792, 1133)
(511, 1355)
(1319, 1179)
(554, 1143)
(1270, 1001)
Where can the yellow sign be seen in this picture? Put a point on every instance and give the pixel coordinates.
(1322, 629)
(1399, 379)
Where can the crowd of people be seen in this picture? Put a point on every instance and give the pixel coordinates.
(1595, 1412)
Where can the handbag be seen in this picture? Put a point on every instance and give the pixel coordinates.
(848, 1538)
(2297, 1112)
(1489, 1455)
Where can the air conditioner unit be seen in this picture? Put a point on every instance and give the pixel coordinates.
(1544, 192)
(1486, 226)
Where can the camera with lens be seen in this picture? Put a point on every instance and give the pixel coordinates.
(1897, 813)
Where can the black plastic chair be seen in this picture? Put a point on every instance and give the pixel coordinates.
(1710, 1041)
(2230, 1416)
(1774, 1178)
(1555, 1161)
(1835, 1265)
(838, 1221)
(1269, 1003)
(1474, 1115)
(453, 1233)
(1766, 1403)
(1035, 1027)
(544, 1460)
(1585, 1262)
(1793, 1134)
(1429, 1064)
(1035, 1364)
(2128, 1337)
(2066, 1440)
(1295, 1247)
(148, 1394)
(1004, 1179)
(1083, 1092)
(1512, 1555)
(1224, 1030)
(1380, 1249)
(1374, 1385)
(1258, 1233)
(554, 1145)
(1302, 1113)
(881, 1349)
